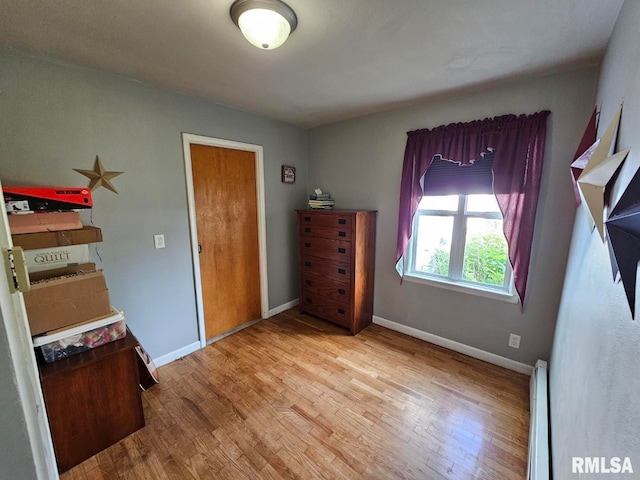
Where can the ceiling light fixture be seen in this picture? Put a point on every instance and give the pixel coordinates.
(265, 23)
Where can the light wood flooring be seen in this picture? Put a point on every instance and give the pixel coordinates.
(296, 397)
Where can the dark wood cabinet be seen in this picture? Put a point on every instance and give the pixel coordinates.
(93, 400)
(336, 257)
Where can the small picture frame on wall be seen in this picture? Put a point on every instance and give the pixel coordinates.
(288, 174)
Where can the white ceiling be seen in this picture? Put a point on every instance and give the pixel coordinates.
(346, 58)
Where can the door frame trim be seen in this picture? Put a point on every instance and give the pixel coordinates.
(15, 323)
(187, 140)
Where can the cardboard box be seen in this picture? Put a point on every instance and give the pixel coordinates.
(44, 222)
(61, 301)
(54, 199)
(60, 272)
(30, 241)
(57, 257)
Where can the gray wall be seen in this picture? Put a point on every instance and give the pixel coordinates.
(360, 162)
(595, 364)
(58, 117)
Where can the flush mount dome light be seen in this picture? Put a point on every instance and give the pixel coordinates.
(265, 23)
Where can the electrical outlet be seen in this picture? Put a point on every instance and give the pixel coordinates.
(158, 240)
(514, 340)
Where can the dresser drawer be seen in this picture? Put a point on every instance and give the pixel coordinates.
(327, 309)
(325, 220)
(325, 248)
(329, 270)
(326, 232)
(337, 292)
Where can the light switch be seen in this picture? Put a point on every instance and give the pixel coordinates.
(158, 240)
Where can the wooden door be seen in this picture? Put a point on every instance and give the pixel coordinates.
(224, 184)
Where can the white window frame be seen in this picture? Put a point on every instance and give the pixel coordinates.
(455, 281)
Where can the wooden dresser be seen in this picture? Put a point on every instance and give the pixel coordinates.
(336, 257)
(93, 400)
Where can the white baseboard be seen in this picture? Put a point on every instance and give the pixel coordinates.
(176, 354)
(455, 346)
(282, 308)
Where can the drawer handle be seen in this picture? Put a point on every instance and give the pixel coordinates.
(341, 291)
(307, 244)
(307, 219)
(307, 282)
(342, 271)
(341, 311)
(307, 230)
(309, 300)
(308, 264)
(342, 221)
(342, 250)
(342, 234)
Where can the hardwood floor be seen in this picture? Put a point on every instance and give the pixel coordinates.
(296, 397)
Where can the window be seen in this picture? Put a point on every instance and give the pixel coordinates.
(516, 143)
(458, 239)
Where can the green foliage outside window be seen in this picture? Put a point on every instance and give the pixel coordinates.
(485, 260)
(439, 263)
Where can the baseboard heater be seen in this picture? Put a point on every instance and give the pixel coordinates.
(539, 467)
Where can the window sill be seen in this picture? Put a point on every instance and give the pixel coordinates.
(462, 288)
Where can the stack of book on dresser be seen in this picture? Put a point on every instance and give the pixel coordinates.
(321, 201)
(68, 303)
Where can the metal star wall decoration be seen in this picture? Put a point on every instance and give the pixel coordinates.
(99, 177)
(623, 232)
(598, 172)
(592, 186)
(584, 152)
(577, 168)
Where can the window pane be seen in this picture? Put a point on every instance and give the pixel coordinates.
(433, 244)
(482, 203)
(448, 203)
(485, 252)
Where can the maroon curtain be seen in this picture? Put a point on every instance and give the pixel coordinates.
(517, 143)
